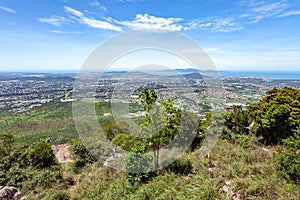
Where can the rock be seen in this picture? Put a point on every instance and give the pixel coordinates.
(63, 153)
(190, 175)
(9, 193)
(116, 161)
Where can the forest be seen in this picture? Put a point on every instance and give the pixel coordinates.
(257, 154)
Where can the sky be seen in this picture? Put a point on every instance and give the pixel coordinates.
(236, 34)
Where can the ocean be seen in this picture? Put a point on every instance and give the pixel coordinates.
(285, 75)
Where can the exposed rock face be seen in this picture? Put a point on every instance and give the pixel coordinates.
(9, 193)
(63, 153)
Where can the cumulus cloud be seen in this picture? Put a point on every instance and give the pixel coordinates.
(148, 22)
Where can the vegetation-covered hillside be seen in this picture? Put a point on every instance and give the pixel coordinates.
(256, 157)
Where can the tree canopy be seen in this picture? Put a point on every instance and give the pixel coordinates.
(277, 115)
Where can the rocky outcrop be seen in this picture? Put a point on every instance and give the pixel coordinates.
(10, 193)
(63, 153)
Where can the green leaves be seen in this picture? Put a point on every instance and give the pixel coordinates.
(237, 121)
(277, 115)
(6, 144)
(138, 165)
(288, 158)
(41, 155)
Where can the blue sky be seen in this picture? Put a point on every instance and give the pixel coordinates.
(237, 35)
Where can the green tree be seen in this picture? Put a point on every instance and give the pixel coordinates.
(41, 155)
(138, 165)
(277, 115)
(237, 120)
(161, 123)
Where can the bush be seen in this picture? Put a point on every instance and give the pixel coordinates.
(45, 178)
(124, 141)
(80, 150)
(115, 127)
(139, 166)
(237, 120)
(41, 155)
(288, 158)
(77, 165)
(6, 143)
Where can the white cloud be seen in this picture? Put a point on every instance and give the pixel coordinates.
(94, 23)
(213, 49)
(148, 22)
(95, 3)
(100, 24)
(269, 10)
(73, 11)
(66, 32)
(250, 3)
(257, 11)
(55, 20)
(6, 9)
(289, 13)
(217, 24)
(251, 11)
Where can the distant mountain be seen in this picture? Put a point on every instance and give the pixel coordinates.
(187, 71)
(193, 76)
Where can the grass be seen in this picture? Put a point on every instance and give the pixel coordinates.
(248, 172)
(251, 173)
(245, 167)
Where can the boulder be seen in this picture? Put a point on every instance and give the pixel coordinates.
(9, 193)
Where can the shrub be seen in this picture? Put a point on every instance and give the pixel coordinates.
(288, 158)
(77, 165)
(6, 143)
(81, 151)
(41, 155)
(139, 165)
(124, 141)
(115, 127)
(237, 120)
